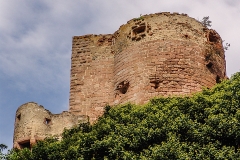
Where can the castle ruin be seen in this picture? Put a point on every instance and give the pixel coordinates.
(159, 54)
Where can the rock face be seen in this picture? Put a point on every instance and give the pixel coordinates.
(158, 54)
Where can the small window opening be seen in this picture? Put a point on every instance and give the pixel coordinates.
(47, 121)
(123, 87)
(19, 117)
(186, 36)
(25, 144)
(155, 84)
(154, 81)
(139, 29)
(209, 65)
(208, 56)
(213, 37)
(218, 79)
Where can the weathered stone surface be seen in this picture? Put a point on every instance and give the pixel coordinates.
(158, 54)
(34, 123)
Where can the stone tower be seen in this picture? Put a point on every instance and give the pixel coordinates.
(159, 54)
(34, 123)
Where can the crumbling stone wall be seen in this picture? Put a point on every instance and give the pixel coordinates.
(34, 123)
(157, 54)
(91, 74)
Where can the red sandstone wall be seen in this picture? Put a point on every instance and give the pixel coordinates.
(161, 68)
(91, 74)
(165, 54)
(158, 54)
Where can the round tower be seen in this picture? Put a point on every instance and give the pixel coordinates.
(165, 54)
(32, 123)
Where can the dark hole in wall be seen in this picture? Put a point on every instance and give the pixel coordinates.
(186, 36)
(123, 87)
(155, 83)
(19, 117)
(207, 57)
(209, 65)
(218, 79)
(139, 29)
(213, 37)
(25, 144)
(47, 121)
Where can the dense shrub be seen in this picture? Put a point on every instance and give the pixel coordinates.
(203, 126)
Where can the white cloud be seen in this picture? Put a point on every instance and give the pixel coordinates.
(36, 36)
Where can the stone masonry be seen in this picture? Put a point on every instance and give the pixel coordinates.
(160, 54)
(34, 123)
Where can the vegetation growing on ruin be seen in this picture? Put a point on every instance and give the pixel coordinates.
(206, 22)
(203, 126)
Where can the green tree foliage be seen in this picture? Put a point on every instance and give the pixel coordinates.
(2, 147)
(203, 126)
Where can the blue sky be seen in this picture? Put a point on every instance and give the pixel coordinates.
(36, 37)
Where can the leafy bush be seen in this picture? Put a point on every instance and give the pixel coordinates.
(203, 126)
(2, 147)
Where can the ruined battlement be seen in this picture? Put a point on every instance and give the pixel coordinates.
(33, 123)
(160, 54)
(157, 54)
